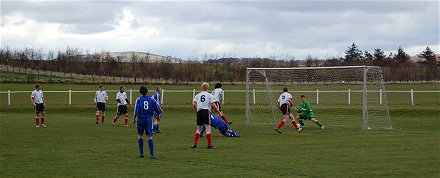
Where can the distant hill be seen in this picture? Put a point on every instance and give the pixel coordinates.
(127, 55)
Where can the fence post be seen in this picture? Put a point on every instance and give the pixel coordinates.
(349, 96)
(253, 93)
(131, 95)
(70, 97)
(9, 97)
(412, 97)
(380, 97)
(161, 97)
(317, 96)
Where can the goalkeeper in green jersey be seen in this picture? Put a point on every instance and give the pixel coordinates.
(307, 113)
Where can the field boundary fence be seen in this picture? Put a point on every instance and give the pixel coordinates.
(165, 92)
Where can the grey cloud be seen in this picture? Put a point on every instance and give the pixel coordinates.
(81, 17)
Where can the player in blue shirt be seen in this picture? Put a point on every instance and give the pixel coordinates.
(144, 109)
(156, 96)
(221, 125)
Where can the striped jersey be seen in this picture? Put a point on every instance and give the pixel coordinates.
(285, 98)
(101, 96)
(38, 96)
(122, 97)
(203, 100)
(218, 94)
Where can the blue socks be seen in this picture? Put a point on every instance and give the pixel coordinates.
(151, 145)
(141, 146)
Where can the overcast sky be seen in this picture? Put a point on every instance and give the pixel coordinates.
(191, 29)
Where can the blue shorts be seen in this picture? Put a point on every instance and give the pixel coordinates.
(223, 128)
(145, 124)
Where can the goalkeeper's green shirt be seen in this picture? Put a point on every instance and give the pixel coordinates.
(308, 113)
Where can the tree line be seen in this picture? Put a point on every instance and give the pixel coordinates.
(212, 68)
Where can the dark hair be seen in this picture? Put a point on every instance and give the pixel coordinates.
(143, 90)
(37, 85)
(218, 85)
(285, 89)
(122, 86)
(302, 96)
(101, 86)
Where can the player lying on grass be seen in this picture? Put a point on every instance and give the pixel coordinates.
(221, 125)
(307, 113)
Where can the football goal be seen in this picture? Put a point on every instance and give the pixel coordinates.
(346, 96)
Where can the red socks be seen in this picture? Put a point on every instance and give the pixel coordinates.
(97, 117)
(209, 137)
(281, 124)
(126, 121)
(196, 138)
(42, 120)
(295, 125)
(224, 119)
(103, 117)
(37, 121)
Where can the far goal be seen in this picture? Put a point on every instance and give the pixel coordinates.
(346, 96)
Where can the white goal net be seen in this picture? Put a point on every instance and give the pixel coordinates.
(347, 96)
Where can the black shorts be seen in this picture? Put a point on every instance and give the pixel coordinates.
(203, 117)
(122, 110)
(218, 106)
(39, 108)
(100, 106)
(285, 108)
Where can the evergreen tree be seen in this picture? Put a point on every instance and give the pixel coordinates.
(401, 56)
(352, 54)
(379, 58)
(431, 64)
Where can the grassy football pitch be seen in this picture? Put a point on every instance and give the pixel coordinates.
(72, 145)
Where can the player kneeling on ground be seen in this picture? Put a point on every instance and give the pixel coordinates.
(307, 113)
(221, 125)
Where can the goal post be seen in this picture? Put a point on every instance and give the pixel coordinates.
(343, 96)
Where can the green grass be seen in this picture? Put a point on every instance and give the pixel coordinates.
(74, 146)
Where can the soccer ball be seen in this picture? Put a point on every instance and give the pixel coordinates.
(369, 128)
